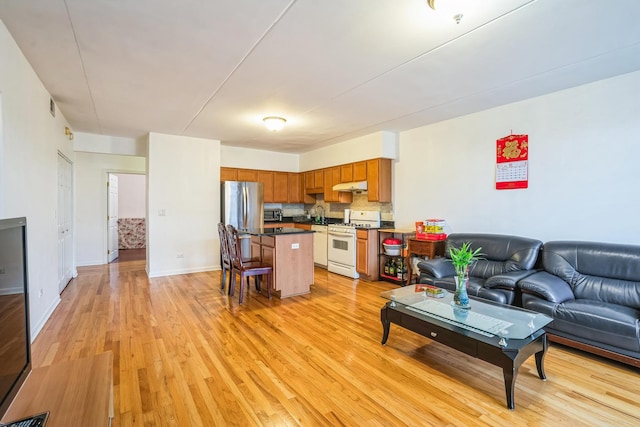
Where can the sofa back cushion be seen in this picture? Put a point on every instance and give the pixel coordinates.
(605, 272)
(500, 253)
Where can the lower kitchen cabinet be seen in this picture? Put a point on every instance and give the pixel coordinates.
(291, 255)
(367, 254)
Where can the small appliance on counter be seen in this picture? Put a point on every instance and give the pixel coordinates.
(272, 215)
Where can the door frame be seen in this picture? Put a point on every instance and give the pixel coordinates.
(105, 197)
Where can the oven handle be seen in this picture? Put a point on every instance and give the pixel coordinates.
(338, 234)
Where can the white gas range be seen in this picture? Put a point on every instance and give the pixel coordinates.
(341, 247)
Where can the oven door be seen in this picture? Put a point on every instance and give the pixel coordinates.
(341, 248)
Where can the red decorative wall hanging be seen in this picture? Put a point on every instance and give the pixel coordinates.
(512, 162)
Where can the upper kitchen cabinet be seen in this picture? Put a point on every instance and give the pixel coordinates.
(379, 180)
(248, 175)
(332, 177)
(266, 178)
(359, 171)
(280, 187)
(346, 173)
(228, 174)
(314, 181)
(297, 192)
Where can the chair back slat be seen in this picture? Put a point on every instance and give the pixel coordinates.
(224, 242)
(234, 247)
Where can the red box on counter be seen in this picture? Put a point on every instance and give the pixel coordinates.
(431, 236)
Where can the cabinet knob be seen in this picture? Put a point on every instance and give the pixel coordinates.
(434, 334)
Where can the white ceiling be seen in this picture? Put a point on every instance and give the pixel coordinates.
(336, 69)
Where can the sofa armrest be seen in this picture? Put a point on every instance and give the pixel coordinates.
(437, 267)
(547, 286)
(507, 280)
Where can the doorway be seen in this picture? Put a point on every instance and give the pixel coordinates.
(127, 231)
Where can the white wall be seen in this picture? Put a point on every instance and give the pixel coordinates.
(183, 193)
(375, 145)
(90, 178)
(93, 143)
(248, 158)
(30, 140)
(583, 163)
(132, 196)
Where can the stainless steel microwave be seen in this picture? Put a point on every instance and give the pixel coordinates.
(272, 215)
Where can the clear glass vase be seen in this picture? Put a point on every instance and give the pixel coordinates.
(460, 297)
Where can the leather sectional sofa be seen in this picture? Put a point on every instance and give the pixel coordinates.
(592, 292)
(590, 289)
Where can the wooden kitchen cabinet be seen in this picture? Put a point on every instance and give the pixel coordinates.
(250, 175)
(228, 174)
(314, 182)
(367, 254)
(379, 180)
(360, 171)
(331, 177)
(295, 188)
(291, 256)
(297, 193)
(280, 187)
(346, 173)
(266, 178)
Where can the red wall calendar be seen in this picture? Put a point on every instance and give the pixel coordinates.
(512, 162)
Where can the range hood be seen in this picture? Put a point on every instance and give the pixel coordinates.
(351, 186)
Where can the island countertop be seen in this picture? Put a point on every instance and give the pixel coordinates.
(276, 231)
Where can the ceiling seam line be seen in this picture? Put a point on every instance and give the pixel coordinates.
(458, 99)
(244, 58)
(84, 71)
(415, 58)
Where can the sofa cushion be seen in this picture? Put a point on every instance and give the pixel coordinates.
(596, 271)
(594, 320)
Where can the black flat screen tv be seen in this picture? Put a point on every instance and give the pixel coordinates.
(15, 336)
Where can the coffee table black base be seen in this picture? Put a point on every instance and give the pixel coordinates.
(509, 356)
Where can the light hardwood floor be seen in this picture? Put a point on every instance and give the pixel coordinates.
(187, 355)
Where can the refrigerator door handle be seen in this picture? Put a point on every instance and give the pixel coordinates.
(245, 202)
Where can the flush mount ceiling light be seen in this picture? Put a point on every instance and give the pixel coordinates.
(274, 123)
(457, 17)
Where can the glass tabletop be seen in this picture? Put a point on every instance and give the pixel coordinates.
(485, 317)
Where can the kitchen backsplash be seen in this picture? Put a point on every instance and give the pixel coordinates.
(335, 210)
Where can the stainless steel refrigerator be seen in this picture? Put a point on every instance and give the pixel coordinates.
(242, 206)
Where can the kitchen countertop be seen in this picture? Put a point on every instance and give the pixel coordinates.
(329, 221)
(276, 231)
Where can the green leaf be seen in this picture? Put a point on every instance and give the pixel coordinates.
(462, 257)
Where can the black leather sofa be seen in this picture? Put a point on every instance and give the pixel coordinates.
(505, 260)
(592, 292)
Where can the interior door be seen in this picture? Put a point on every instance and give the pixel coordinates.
(65, 221)
(112, 217)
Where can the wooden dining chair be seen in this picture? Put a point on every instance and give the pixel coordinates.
(244, 268)
(224, 255)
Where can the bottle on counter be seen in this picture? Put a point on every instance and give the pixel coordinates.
(386, 267)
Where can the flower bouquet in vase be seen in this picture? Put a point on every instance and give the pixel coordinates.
(461, 258)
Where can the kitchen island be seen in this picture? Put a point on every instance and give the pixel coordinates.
(290, 252)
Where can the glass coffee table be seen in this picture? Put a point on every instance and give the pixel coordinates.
(502, 335)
